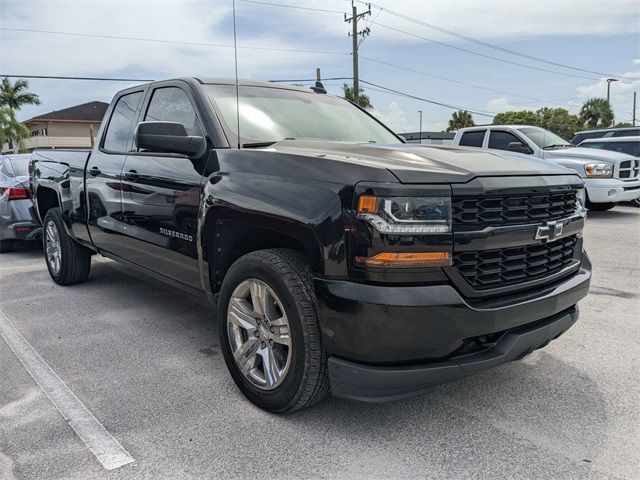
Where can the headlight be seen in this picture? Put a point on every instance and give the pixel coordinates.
(406, 215)
(599, 170)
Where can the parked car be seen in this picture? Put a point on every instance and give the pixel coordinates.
(16, 223)
(627, 145)
(340, 259)
(610, 177)
(579, 137)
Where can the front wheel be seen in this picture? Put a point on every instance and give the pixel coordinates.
(268, 328)
(67, 261)
(599, 207)
(636, 202)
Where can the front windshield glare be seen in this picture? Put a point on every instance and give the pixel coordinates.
(544, 138)
(274, 114)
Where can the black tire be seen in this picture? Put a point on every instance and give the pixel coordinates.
(636, 202)
(599, 207)
(75, 260)
(288, 274)
(6, 246)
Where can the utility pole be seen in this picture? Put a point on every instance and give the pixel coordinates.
(355, 34)
(609, 80)
(634, 109)
(420, 129)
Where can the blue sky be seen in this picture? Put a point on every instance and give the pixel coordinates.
(593, 35)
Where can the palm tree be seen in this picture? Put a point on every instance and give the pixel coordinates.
(15, 96)
(11, 130)
(596, 112)
(460, 119)
(363, 100)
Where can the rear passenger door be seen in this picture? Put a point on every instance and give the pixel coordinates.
(161, 194)
(103, 182)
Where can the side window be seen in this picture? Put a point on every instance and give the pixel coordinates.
(472, 139)
(171, 104)
(119, 131)
(630, 148)
(626, 133)
(501, 140)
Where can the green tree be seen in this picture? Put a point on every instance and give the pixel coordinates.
(363, 99)
(15, 95)
(522, 117)
(559, 121)
(11, 130)
(460, 119)
(596, 113)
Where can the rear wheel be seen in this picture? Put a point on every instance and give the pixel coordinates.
(6, 246)
(599, 207)
(67, 261)
(268, 328)
(636, 202)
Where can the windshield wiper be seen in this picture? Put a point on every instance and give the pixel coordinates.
(264, 144)
(559, 145)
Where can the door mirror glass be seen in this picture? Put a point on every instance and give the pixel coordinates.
(167, 137)
(519, 147)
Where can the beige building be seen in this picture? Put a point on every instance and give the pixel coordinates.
(71, 127)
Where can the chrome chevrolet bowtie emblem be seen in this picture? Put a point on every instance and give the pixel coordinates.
(549, 231)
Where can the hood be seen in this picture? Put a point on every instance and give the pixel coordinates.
(581, 153)
(411, 163)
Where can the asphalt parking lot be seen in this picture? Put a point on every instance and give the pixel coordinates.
(145, 361)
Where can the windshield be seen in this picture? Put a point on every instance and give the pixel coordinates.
(20, 164)
(274, 114)
(544, 138)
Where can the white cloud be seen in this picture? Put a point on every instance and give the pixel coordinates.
(501, 104)
(396, 118)
(636, 61)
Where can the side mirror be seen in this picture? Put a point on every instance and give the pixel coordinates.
(519, 147)
(167, 137)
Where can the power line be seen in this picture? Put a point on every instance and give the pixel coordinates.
(482, 54)
(480, 87)
(433, 102)
(487, 44)
(173, 42)
(291, 6)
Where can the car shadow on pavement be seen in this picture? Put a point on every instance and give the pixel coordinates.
(613, 214)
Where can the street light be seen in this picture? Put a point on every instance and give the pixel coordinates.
(609, 80)
(420, 129)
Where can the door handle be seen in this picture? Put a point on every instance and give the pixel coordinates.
(131, 175)
(94, 172)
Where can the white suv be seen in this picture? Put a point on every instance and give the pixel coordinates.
(610, 177)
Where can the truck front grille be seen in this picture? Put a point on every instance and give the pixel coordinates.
(475, 213)
(509, 266)
(629, 169)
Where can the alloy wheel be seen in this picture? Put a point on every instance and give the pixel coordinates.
(52, 247)
(259, 334)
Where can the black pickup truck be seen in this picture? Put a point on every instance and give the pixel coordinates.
(340, 259)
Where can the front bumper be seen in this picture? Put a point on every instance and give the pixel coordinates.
(379, 384)
(372, 331)
(612, 190)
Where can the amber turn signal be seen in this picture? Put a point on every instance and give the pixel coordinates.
(407, 259)
(368, 204)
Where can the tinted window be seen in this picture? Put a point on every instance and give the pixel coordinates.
(630, 148)
(120, 129)
(171, 104)
(472, 139)
(626, 133)
(501, 140)
(581, 137)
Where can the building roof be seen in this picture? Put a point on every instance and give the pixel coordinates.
(86, 112)
(428, 135)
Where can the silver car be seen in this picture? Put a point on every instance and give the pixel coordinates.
(16, 223)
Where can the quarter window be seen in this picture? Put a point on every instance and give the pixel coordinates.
(119, 131)
(501, 140)
(472, 139)
(171, 104)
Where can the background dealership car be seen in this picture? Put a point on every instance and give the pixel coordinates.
(628, 145)
(15, 200)
(610, 177)
(605, 133)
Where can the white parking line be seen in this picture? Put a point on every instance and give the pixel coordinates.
(109, 452)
